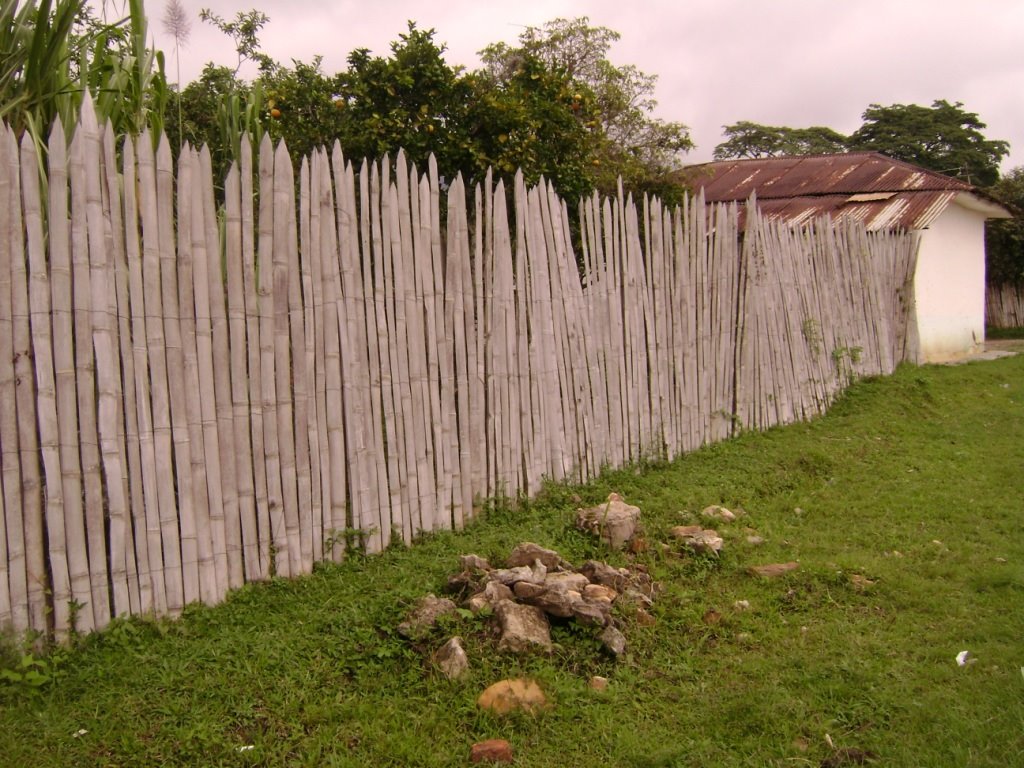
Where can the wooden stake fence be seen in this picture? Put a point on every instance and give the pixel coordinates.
(201, 395)
(1004, 305)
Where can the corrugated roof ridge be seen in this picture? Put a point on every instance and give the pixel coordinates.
(943, 181)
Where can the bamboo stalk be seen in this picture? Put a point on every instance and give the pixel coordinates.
(88, 430)
(10, 449)
(264, 538)
(198, 301)
(28, 441)
(129, 444)
(364, 358)
(212, 575)
(279, 563)
(284, 213)
(150, 355)
(239, 375)
(46, 399)
(370, 194)
(334, 513)
(298, 275)
(221, 359)
(313, 290)
(150, 402)
(64, 371)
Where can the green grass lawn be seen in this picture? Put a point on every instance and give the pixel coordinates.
(914, 483)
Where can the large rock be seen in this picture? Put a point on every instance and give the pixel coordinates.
(615, 521)
(474, 563)
(491, 751)
(700, 540)
(523, 627)
(508, 695)
(598, 572)
(492, 594)
(592, 612)
(556, 602)
(535, 574)
(718, 512)
(566, 580)
(451, 658)
(425, 615)
(528, 552)
(599, 593)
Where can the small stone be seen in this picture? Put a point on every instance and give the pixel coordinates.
(741, 605)
(718, 512)
(528, 552)
(744, 638)
(860, 582)
(602, 573)
(638, 544)
(614, 640)
(599, 593)
(773, 570)
(644, 619)
(474, 563)
(508, 695)
(598, 683)
(615, 522)
(451, 658)
(491, 751)
(523, 627)
(755, 540)
(637, 598)
(712, 617)
(425, 616)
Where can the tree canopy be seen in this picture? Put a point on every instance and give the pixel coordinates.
(943, 137)
(626, 140)
(553, 106)
(750, 140)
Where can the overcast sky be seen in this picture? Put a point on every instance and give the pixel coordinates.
(778, 62)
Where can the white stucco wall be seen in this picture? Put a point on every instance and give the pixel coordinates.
(949, 285)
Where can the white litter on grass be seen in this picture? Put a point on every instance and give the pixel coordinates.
(81, 731)
(247, 747)
(962, 658)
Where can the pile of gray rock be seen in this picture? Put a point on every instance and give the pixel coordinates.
(533, 587)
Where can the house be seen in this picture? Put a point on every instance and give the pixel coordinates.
(948, 317)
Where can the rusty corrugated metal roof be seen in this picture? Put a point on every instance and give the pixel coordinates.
(863, 186)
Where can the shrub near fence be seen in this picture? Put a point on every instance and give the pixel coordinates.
(199, 397)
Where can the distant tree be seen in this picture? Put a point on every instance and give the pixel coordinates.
(751, 140)
(944, 138)
(1004, 238)
(626, 140)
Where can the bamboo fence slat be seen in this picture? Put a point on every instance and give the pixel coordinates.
(64, 373)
